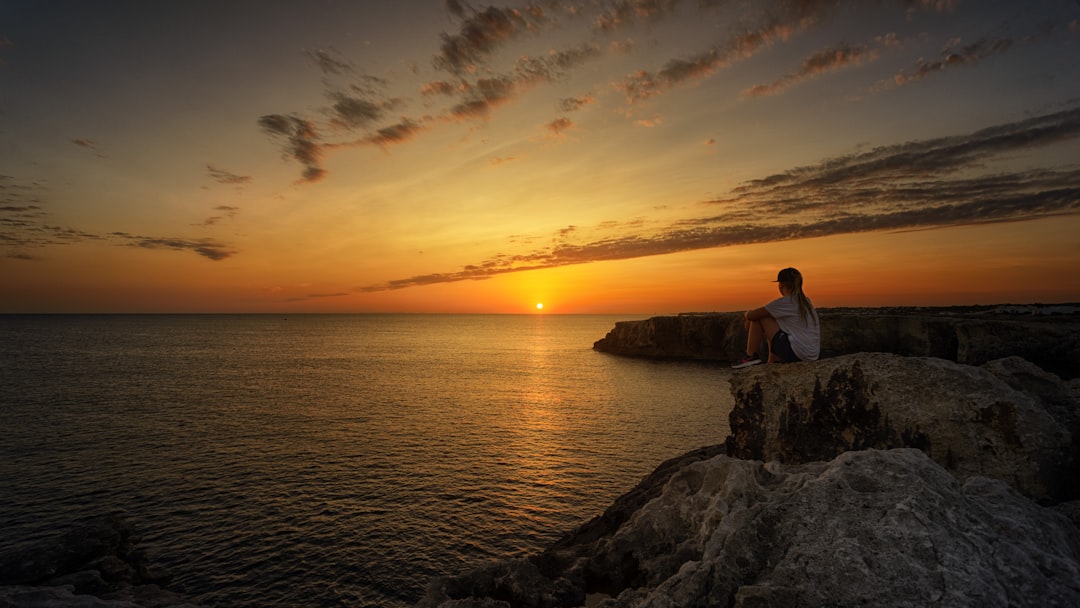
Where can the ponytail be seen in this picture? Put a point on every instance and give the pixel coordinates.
(792, 279)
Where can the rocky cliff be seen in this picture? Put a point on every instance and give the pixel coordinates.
(1048, 336)
(869, 528)
(868, 479)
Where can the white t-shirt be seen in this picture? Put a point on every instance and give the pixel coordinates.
(805, 337)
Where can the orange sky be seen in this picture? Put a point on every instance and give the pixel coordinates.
(627, 156)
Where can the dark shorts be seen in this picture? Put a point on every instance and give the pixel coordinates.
(781, 347)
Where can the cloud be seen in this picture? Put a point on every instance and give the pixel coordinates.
(481, 33)
(404, 131)
(823, 61)
(362, 104)
(222, 176)
(625, 12)
(89, 144)
(316, 296)
(559, 125)
(643, 84)
(954, 57)
(300, 142)
(25, 225)
(914, 185)
(482, 96)
(225, 212)
(329, 61)
(555, 65)
(573, 104)
(438, 87)
(207, 248)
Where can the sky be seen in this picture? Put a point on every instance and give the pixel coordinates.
(595, 156)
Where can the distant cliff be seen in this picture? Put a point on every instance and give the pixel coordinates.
(1048, 336)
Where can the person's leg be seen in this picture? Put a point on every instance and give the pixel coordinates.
(753, 337)
(769, 327)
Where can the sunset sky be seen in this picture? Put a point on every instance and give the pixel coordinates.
(630, 156)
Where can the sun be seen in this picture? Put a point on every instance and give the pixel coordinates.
(539, 306)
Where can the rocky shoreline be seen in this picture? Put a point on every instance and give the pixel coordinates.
(932, 457)
(933, 464)
(1046, 335)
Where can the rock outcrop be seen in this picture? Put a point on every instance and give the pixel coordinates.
(1008, 420)
(869, 528)
(96, 565)
(1048, 336)
(867, 479)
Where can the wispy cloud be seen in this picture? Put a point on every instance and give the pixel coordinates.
(560, 125)
(626, 12)
(224, 212)
(222, 176)
(953, 57)
(88, 144)
(832, 59)
(300, 141)
(207, 248)
(915, 185)
(26, 227)
(318, 296)
(329, 61)
(474, 78)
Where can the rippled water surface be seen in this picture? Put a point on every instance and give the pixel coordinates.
(333, 460)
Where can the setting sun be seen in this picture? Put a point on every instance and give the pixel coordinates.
(539, 306)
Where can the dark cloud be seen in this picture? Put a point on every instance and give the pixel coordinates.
(362, 104)
(207, 248)
(317, 296)
(352, 112)
(481, 33)
(300, 142)
(915, 185)
(438, 87)
(395, 134)
(222, 176)
(25, 226)
(481, 96)
(573, 104)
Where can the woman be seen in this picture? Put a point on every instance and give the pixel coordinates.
(789, 324)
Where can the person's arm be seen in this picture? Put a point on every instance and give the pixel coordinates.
(757, 313)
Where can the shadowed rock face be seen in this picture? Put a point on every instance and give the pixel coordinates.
(970, 335)
(869, 528)
(97, 564)
(970, 420)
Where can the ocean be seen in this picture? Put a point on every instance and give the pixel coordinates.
(333, 460)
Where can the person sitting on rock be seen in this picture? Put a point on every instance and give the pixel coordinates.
(789, 324)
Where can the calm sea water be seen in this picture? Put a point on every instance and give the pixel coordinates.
(338, 460)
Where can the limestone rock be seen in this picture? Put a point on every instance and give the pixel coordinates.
(970, 420)
(966, 335)
(869, 528)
